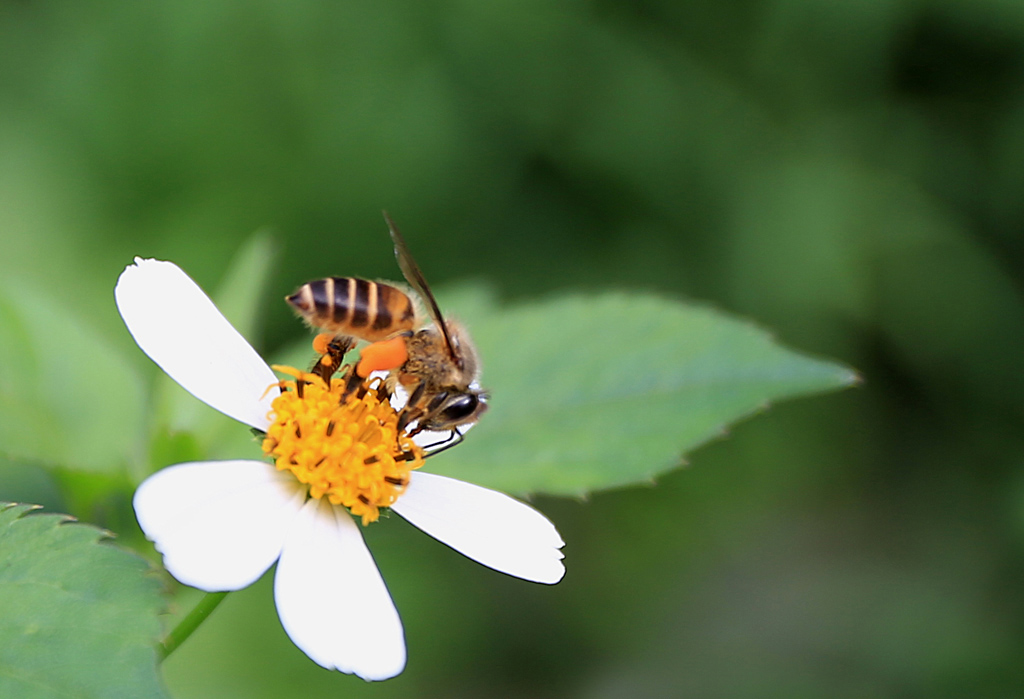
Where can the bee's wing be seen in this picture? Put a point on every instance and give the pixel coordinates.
(414, 276)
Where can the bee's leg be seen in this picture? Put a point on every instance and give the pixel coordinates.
(425, 415)
(454, 437)
(353, 381)
(332, 350)
(412, 410)
(390, 383)
(386, 387)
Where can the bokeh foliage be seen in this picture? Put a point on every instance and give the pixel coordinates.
(848, 173)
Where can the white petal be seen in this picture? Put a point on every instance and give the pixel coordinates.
(178, 326)
(331, 599)
(219, 524)
(485, 525)
(435, 440)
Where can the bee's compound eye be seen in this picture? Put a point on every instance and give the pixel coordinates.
(461, 408)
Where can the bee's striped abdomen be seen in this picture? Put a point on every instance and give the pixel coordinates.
(367, 310)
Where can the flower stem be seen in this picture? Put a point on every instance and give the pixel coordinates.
(189, 624)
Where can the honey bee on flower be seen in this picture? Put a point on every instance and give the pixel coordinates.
(221, 524)
(437, 362)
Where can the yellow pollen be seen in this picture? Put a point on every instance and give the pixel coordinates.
(346, 448)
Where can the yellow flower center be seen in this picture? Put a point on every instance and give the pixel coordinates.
(345, 447)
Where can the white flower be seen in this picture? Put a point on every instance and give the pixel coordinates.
(221, 524)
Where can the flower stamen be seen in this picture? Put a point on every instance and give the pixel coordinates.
(344, 443)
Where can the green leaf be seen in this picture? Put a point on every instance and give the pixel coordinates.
(78, 616)
(67, 397)
(594, 392)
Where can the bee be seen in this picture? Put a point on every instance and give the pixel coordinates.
(437, 364)
(345, 306)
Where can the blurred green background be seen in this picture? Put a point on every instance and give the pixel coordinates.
(849, 173)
